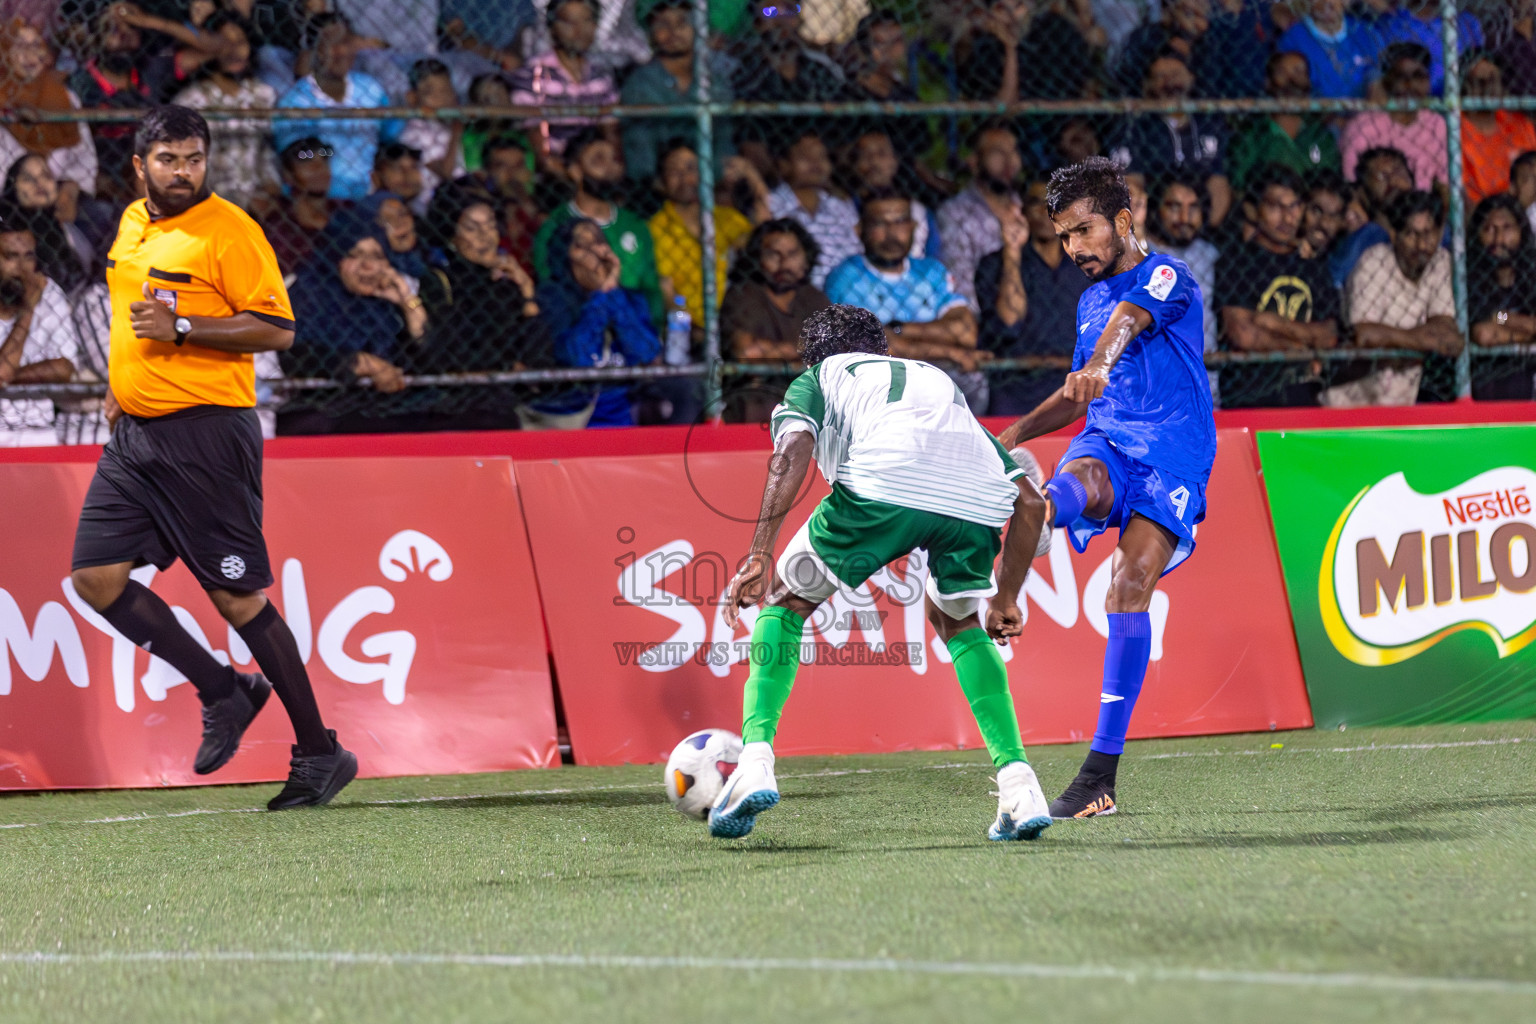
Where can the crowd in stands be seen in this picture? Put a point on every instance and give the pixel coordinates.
(429, 246)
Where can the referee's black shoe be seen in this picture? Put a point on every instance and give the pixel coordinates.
(225, 721)
(315, 779)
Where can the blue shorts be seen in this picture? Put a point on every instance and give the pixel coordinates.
(1170, 501)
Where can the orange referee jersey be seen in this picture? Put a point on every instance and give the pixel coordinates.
(213, 260)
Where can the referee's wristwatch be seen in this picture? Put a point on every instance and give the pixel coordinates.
(183, 328)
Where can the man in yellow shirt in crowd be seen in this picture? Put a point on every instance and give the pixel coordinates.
(676, 230)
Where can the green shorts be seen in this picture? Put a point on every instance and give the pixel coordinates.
(849, 538)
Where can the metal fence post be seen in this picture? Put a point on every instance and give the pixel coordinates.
(1451, 35)
(706, 153)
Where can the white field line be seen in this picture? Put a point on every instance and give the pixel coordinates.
(1369, 748)
(829, 773)
(813, 965)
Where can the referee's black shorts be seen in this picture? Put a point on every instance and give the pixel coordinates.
(185, 485)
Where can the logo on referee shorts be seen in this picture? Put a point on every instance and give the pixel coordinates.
(233, 567)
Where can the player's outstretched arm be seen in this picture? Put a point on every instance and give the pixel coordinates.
(1004, 619)
(1082, 386)
(786, 472)
(1050, 415)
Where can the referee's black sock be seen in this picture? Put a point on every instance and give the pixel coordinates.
(272, 644)
(141, 616)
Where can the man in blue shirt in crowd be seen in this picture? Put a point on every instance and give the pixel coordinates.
(1419, 21)
(1341, 50)
(1142, 461)
(925, 317)
(333, 83)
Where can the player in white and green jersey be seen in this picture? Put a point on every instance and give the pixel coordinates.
(910, 468)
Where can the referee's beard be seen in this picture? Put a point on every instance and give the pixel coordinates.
(172, 201)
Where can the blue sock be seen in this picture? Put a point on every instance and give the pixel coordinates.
(1125, 666)
(1069, 496)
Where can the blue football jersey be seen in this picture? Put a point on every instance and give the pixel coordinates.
(1157, 407)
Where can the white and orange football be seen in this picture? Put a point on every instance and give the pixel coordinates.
(698, 768)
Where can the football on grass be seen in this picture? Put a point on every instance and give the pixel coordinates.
(698, 768)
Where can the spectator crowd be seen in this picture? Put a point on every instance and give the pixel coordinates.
(421, 247)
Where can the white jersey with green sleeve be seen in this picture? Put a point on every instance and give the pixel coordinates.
(899, 431)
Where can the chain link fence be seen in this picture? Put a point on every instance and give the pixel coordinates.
(568, 213)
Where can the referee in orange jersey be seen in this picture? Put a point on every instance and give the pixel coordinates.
(195, 291)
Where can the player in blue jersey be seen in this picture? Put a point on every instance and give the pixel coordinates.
(1141, 463)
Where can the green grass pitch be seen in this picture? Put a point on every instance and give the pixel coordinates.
(1360, 876)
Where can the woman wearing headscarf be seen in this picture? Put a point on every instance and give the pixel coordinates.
(404, 247)
(592, 320)
(482, 300)
(356, 320)
(64, 253)
(29, 82)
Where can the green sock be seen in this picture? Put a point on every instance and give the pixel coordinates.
(775, 660)
(985, 683)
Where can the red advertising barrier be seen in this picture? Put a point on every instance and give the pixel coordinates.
(633, 554)
(408, 584)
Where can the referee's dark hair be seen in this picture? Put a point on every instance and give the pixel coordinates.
(169, 123)
(1098, 179)
(838, 329)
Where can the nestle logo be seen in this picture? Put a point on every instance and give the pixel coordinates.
(1483, 506)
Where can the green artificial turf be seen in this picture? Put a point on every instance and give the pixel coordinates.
(1239, 882)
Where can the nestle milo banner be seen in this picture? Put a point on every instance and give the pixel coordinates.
(1410, 562)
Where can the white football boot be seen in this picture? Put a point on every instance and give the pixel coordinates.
(749, 791)
(1022, 810)
(1031, 467)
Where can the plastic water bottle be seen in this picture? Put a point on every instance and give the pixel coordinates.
(679, 333)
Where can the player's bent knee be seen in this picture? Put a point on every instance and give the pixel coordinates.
(100, 585)
(1094, 476)
(782, 597)
(1130, 590)
(1030, 500)
(238, 606)
(950, 616)
(948, 627)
